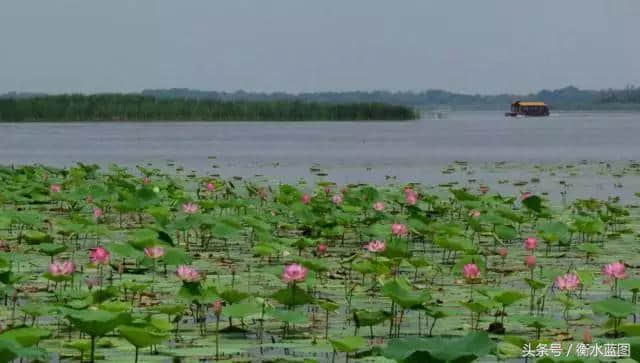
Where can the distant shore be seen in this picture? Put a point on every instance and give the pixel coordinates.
(183, 104)
(567, 98)
(133, 107)
(605, 107)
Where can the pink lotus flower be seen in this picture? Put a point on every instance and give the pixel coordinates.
(503, 252)
(530, 262)
(568, 282)
(146, 180)
(411, 196)
(484, 189)
(97, 213)
(399, 229)
(471, 271)
(190, 208)
(100, 256)
(327, 191)
(586, 337)
(475, 213)
(217, 308)
(530, 244)
(322, 249)
(55, 188)
(379, 206)
(615, 270)
(188, 274)
(306, 199)
(66, 268)
(376, 246)
(211, 187)
(154, 252)
(337, 199)
(294, 273)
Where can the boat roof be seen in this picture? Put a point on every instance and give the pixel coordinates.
(530, 103)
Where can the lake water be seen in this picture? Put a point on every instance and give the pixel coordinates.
(347, 151)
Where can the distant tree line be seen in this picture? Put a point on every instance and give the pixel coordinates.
(190, 104)
(630, 94)
(564, 98)
(122, 107)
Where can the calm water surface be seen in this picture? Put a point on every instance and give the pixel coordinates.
(347, 151)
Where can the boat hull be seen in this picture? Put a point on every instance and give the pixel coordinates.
(522, 114)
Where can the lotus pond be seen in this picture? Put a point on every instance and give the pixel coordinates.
(144, 265)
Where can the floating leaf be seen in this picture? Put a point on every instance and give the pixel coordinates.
(370, 318)
(400, 291)
(37, 237)
(96, 323)
(440, 350)
(242, 310)
(348, 344)
(613, 307)
(507, 298)
(292, 296)
(289, 316)
(143, 336)
(26, 337)
(52, 249)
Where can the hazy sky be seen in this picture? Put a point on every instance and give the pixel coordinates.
(485, 46)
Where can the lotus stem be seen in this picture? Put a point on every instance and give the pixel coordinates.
(93, 349)
(217, 338)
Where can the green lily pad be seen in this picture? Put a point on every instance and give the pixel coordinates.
(348, 344)
(440, 350)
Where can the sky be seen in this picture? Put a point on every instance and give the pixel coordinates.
(471, 46)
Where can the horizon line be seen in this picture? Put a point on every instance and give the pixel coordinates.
(313, 92)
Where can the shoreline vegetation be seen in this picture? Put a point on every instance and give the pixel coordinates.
(183, 104)
(566, 99)
(136, 107)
